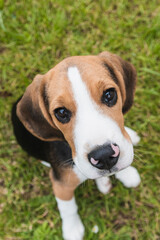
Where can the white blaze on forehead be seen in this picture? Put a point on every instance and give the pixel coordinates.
(79, 90)
(93, 128)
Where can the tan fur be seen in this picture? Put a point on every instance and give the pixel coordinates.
(60, 95)
(64, 189)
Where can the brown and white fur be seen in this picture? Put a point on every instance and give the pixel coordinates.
(78, 85)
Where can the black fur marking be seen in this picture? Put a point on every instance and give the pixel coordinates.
(129, 77)
(56, 153)
(112, 73)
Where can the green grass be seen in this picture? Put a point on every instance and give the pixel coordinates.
(38, 35)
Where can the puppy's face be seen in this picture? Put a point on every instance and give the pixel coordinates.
(82, 100)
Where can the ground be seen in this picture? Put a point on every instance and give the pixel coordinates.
(38, 34)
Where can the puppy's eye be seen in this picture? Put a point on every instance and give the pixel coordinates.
(109, 97)
(62, 114)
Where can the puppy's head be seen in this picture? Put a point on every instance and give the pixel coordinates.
(82, 101)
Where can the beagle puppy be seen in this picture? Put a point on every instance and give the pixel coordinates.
(72, 118)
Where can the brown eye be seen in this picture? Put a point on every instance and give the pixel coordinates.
(109, 97)
(63, 115)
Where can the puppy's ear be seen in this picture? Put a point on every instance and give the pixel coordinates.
(116, 65)
(33, 111)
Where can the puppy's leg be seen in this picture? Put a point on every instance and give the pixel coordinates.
(129, 177)
(133, 135)
(72, 227)
(103, 184)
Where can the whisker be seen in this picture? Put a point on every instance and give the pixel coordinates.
(66, 162)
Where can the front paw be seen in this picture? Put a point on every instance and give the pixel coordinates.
(73, 228)
(129, 177)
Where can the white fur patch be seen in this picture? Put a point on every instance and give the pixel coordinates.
(72, 225)
(93, 128)
(129, 177)
(46, 164)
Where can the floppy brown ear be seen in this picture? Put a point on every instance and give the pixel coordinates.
(128, 72)
(32, 111)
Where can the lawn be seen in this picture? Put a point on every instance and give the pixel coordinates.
(37, 35)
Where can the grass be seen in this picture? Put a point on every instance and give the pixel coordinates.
(37, 35)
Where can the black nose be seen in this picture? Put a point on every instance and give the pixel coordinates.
(105, 156)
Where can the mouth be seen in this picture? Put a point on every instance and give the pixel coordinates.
(97, 172)
(109, 172)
